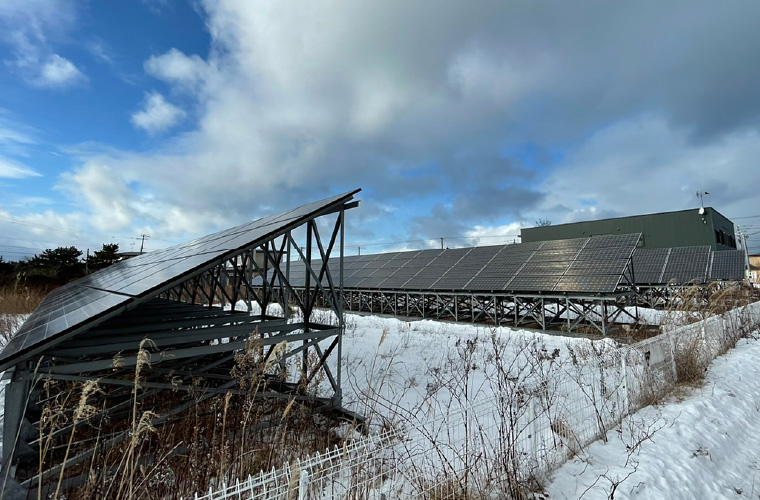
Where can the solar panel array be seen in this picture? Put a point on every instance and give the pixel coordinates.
(728, 265)
(140, 278)
(657, 266)
(581, 265)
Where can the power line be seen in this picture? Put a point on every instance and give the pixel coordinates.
(76, 232)
(13, 253)
(16, 246)
(429, 240)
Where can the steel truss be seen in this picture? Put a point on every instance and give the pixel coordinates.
(662, 296)
(195, 326)
(545, 311)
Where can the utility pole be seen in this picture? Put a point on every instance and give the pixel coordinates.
(360, 250)
(441, 242)
(142, 244)
(743, 239)
(87, 263)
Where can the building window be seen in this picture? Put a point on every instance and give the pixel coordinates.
(717, 236)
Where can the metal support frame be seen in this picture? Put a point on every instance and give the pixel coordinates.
(568, 312)
(195, 327)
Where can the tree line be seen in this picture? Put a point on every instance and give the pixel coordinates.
(56, 266)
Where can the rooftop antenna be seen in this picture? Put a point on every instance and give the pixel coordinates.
(701, 195)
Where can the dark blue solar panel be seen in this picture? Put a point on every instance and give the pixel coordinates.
(532, 284)
(687, 264)
(728, 265)
(588, 284)
(649, 264)
(136, 280)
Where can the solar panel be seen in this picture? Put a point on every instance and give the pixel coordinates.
(421, 282)
(686, 264)
(478, 259)
(614, 240)
(383, 272)
(592, 268)
(351, 282)
(649, 264)
(588, 284)
(488, 283)
(407, 271)
(376, 264)
(133, 281)
(569, 265)
(456, 282)
(553, 255)
(532, 283)
(571, 244)
(549, 268)
(433, 270)
(728, 265)
(371, 282)
(362, 273)
(605, 253)
(393, 283)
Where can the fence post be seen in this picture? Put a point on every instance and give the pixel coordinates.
(624, 372)
(673, 358)
(303, 484)
(533, 432)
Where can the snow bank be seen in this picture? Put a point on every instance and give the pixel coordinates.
(706, 445)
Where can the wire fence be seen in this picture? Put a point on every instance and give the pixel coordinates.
(504, 445)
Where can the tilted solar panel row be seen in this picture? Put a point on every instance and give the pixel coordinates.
(728, 265)
(681, 265)
(128, 283)
(589, 265)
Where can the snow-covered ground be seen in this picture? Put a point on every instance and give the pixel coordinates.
(396, 364)
(705, 445)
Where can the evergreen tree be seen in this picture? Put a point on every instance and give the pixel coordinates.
(62, 262)
(104, 257)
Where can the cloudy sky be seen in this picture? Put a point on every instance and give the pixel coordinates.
(463, 120)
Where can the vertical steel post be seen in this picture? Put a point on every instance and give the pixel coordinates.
(16, 393)
(338, 397)
(286, 291)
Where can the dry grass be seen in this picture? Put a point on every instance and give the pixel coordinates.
(699, 303)
(215, 441)
(15, 302)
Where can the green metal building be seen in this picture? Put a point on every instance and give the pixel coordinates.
(684, 228)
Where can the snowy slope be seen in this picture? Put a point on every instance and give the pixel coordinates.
(707, 445)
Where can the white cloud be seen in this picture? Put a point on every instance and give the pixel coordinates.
(11, 170)
(111, 201)
(157, 114)
(37, 17)
(297, 99)
(645, 165)
(28, 28)
(174, 67)
(494, 235)
(15, 138)
(109, 198)
(97, 48)
(59, 72)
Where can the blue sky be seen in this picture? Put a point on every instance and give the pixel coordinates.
(459, 120)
